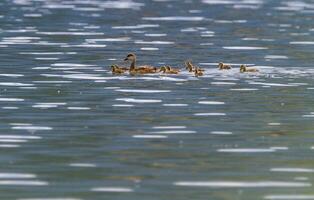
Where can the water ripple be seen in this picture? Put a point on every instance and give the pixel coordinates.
(238, 184)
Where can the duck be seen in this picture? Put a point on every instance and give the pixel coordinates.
(222, 66)
(244, 68)
(191, 68)
(198, 72)
(115, 69)
(169, 70)
(144, 69)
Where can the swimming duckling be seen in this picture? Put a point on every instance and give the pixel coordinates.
(144, 69)
(190, 67)
(222, 66)
(198, 72)
(169, 70)
(244, 68)
(115, 69)
(173, 70)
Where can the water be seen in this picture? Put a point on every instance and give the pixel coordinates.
(70, 130)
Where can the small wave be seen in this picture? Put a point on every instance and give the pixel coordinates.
(70, 33)
(289, 197)
(112, 189)
(77, 108)
(131, 100)
(150, 136)
(244, 48)
(298, 170)
(238, 150)
(235, 184)
(20, 137)
(210, 114)
(175, 105)
(82, 165)
(23, 183)
(16, 176)
(211, 102)
(168, 127)
(173, 132)
(221, 133)
(149, 49)
(15, 84)
(142, 91)
(174, 18)
(11, 99)
(33, 128)
(140, 26)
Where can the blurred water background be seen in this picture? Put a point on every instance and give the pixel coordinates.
(70, 130)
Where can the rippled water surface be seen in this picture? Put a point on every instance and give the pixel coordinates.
(70, 130)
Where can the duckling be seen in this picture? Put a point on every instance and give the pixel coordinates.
(163, 69)
(173, 70)
(169, 70)
(198, 72)
(222, 66)
(141, 69)
(190, 67)
(115, 69)
(244, 68)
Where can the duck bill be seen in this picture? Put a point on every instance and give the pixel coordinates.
(126, 59)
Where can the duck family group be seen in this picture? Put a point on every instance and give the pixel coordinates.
(146, 69)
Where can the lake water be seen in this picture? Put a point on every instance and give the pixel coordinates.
(70, 130)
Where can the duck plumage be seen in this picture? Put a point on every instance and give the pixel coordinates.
(144, 69)
(222, 66)
(169, 70)
(244, 68)
(198, 72)
(191, 68)
(115, 69)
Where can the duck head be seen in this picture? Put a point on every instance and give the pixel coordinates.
(163, 69)
(220, 65)
(113, 68)
(188, 66)
(130, 57)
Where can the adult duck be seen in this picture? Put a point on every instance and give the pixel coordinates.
(144, 69)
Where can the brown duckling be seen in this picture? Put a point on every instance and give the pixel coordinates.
(173, 70)
(222, 66)
(115, 69)
(144, 69)
(244, 68)
(169, 70)
(190, 67)
(198, 72)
